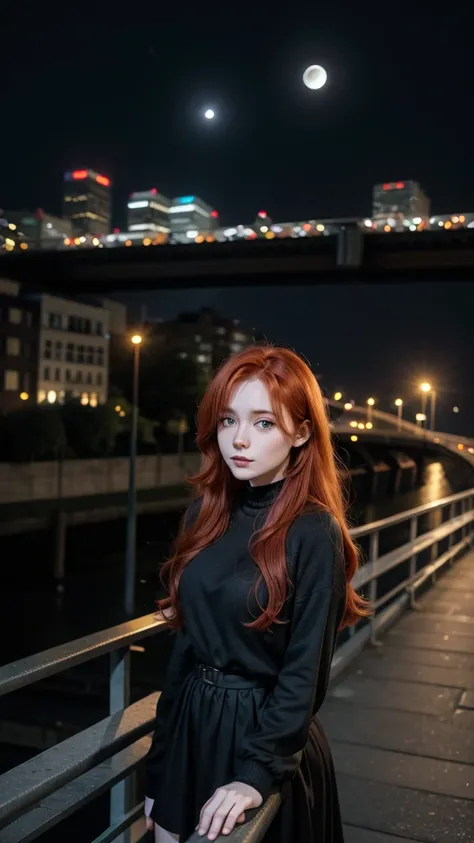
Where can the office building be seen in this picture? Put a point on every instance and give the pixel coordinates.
(190, 217)
(19, 329)
(149, 213)
(73, 357)
(39, 229)
(87, 202)
(400, 199)
(203, 336)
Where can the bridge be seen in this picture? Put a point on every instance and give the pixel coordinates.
(345, 257)
(399, 711)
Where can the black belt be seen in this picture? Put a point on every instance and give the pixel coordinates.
(213, 676)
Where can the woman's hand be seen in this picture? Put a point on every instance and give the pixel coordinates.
(150, 824)
(226, 807)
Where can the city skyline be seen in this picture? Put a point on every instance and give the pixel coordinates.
(273, 143)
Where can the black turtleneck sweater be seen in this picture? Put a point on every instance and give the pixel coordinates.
(216, 593)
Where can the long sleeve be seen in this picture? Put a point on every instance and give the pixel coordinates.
(179, 666)
(272, 753)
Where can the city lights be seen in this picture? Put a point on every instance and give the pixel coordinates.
(137, 339)
(337, 396)
(348, 405)
(209, 114)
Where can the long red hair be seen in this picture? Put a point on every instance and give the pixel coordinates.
(312, 478)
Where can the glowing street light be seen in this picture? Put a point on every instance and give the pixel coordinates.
(209, 114)
(337, 396)
(399, 406)
(370, 404)
(425, 388)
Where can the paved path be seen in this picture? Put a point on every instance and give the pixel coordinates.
(401, 724)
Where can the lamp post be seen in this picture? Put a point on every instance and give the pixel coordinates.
(424, 388)
(433, 410)
(370, 404)
(130, 546)
(399, 406)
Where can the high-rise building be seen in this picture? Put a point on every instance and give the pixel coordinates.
(40, 229)
(73, 359)
(190, 216)
(149, 212)
(203, 336)
(400, 199)
(87, 201)
(19, 319)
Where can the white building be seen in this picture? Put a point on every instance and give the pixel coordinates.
(73, 358)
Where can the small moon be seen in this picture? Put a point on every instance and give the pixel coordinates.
(209, 114)
(315, 77)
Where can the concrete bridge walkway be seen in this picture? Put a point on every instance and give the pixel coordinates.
(401, 724)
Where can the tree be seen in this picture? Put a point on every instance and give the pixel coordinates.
(90, 431)
(34, 433)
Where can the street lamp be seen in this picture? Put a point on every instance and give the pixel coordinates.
(337, 396)
(130, 546)
(425, 389)
(370, 404)
(399, 406)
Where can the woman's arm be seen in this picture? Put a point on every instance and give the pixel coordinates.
(272, 753)
(180, 664)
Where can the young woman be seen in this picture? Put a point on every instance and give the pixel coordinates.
(258, 585)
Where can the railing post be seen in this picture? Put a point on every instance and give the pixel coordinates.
(121, 794)
(413, 535)
(452, 510)
(373, 556)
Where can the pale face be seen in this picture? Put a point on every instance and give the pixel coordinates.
(248, 430)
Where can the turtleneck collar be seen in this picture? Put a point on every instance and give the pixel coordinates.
(260, 497)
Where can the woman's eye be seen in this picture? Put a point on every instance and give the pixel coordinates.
(266, 424)
(224, 421)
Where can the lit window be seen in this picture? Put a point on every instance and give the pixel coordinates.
(13, 346)
(14, 315)
(12, 380)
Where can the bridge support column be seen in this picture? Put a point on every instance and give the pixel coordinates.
(59, 559)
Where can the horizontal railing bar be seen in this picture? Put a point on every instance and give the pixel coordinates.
(34, 780)
(254, 829)
(75, 795)
(430, 568)
(383, 523)
(373, 570)
(49, 662)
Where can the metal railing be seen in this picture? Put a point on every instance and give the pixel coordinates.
(37, 795)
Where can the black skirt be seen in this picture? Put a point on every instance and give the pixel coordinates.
(206, 727)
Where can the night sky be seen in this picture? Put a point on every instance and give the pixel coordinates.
(121, 92)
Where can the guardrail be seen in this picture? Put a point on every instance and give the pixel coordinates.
(37, 795)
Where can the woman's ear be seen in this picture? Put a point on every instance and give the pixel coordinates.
(303, 435)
